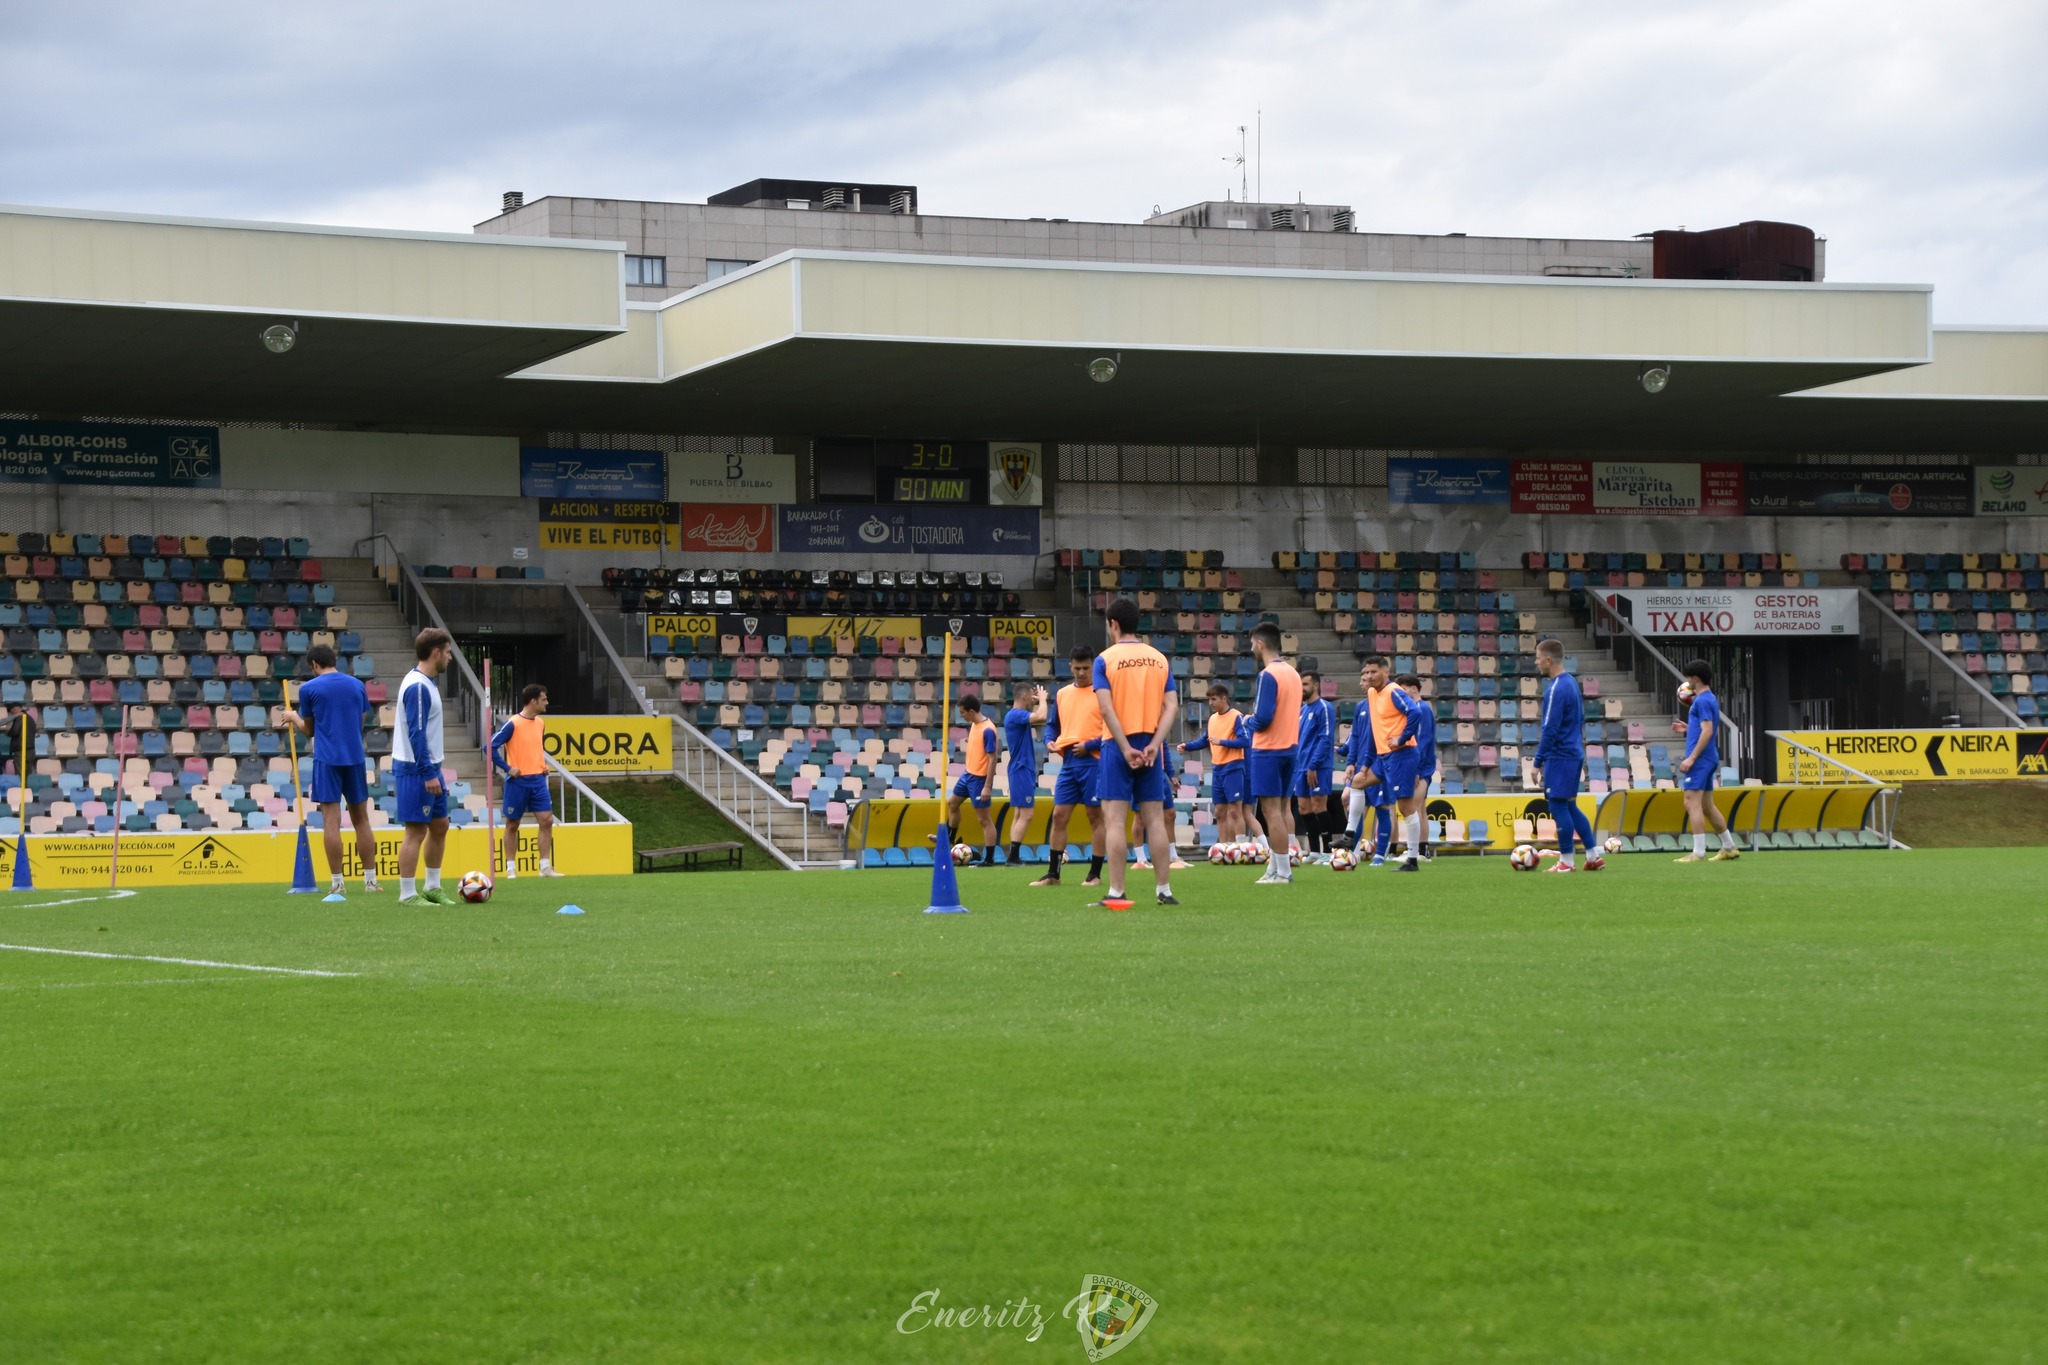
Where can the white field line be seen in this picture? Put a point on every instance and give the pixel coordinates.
(99, 985)
(176, 961)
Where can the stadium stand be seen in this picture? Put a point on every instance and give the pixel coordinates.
(153, 670)
(1979, 609)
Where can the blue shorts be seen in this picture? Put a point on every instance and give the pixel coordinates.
(339, 782)
(416, 805)
(1313, 782)
(523, 794)
(1272, 772)
(1075, 786)
(975, 789)
(1561, 779)
(1379, 793)
(1705, 775)
(1136, 787)
(1023, 786)
(1397, 771)
(1230, 785)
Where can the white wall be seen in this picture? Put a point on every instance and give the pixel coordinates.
(369, 462)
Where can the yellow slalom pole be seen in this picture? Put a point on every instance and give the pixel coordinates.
(291, 739)
(945, 718)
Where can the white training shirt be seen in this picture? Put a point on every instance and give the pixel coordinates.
(419, 709)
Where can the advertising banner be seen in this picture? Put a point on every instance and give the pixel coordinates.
(754, 478)
(611, 744)
(728, 528)
(918, 530)
(2012, 491)
(864, 627)
(1626, 488)
(620, 475)
(1016, 473)
(1690, 612)
(260, 857)
(601, 524)
(1469, 483)
(703, 624)
(1916, 755)
(110, 453)
(1857, 491)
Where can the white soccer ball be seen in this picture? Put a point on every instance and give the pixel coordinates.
(475, 887)
(1614, 844)
(1684, 693)
(1255, 853)
(1523, 859)
(1342, 860)
(1219, 853)
(963, 854)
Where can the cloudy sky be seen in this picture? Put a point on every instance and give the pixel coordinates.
(1913, 136)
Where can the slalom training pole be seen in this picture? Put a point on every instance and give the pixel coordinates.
(120, 763)
(24, 880)
(945, 882)
(490, 770)
(302, 864)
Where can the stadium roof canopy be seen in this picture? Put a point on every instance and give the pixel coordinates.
(117, 314)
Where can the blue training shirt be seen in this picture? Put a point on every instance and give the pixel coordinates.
(335, 703)
(1706, 707)
(1358, 750)
(1317, 739)
(1017, 734)
(1564, 722)
(1425, 734)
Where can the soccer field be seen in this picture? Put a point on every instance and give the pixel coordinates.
(1790, 1109)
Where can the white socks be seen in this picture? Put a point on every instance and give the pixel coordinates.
(1699, 845)
(1354, 808)
(1727, 838)
(546, 863)
(1412, 832)
(433, 879)
(406, 889)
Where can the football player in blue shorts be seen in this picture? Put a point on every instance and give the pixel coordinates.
(1561, 756)
(416, 757)
(331, 707)
(1026, 714)
(1314, 765)
(1699, 772)
(1425, 748)
(518, 751)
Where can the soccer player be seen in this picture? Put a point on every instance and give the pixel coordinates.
(1077, 739)
(1395, 717)
(516, 752)
(416, 755)
(1138, 699)
(330, 713)
(1425, 749)
(1315, 758)
(1276, 728)
(1365, 790)
(1561, 756)
(977, 769)
(1700, 770)
(1226, 739)
(1027, 711)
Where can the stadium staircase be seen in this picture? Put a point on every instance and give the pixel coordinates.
(387, 636)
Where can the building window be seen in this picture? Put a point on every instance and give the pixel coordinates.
(1346, 468)
(714, 269)
(1158, 464)
(647, 270)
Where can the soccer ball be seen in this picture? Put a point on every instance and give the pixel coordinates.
(1523, 859)
(475, 887)
(1219, 854)
(1684, 694)
(963, 854)
(1342, 860)
(1614, 844)
(1253, 853)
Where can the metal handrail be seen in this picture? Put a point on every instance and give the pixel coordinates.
(585, 798)
(1956, 674)
(1637, 641)
(470, 695)
(1888, 794)
(740, 793)
(633, 690)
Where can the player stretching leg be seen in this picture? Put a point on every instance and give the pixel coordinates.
(517, 752)
(416, 755)
(1700, 769)
(1027, 711)
(1561, 756)
(1137, 697)
(1077, 739)
(977, 774)
(1276, 729)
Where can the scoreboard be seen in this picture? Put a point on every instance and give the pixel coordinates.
(922, 471)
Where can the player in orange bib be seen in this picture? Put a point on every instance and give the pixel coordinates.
(1137, 698)
(976, 786)
(517, 752)
(1276, 727)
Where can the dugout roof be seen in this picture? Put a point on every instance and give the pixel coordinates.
(124, 315)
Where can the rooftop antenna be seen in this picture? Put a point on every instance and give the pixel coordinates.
(1259, 147)
(1243, 182)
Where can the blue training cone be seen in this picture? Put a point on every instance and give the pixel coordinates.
(302, 869)
(945, 885)
(570, 910)
(23, 879)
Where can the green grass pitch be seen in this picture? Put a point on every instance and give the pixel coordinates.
(1790, 1109)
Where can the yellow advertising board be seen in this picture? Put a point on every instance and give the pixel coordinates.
(259, 857)
(671, 623)
(1916, 755)
(1021, 628)
(605, 524)
(611, 744)
(859, 627)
